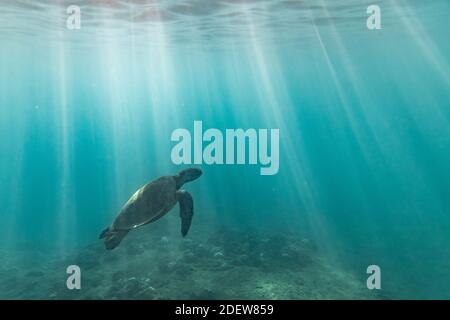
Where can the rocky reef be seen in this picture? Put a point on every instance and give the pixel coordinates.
(224, 264)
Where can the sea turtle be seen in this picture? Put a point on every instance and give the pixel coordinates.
(150, 203)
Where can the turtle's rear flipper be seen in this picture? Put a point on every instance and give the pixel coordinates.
(103, 234)
(186, 210)
(112, 238)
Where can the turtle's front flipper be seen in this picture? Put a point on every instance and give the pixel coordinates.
(186, 210)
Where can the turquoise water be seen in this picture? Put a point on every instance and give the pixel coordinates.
(364, 118)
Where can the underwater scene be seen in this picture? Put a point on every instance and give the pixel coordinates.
(224, 149)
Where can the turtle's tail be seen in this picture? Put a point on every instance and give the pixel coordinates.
(112, 238)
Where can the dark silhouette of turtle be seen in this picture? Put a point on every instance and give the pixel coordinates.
(150, 203)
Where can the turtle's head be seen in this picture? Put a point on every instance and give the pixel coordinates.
(187, 175)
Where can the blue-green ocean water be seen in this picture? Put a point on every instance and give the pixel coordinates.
(364, 116)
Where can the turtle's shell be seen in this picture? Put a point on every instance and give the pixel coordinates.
(149, 203)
